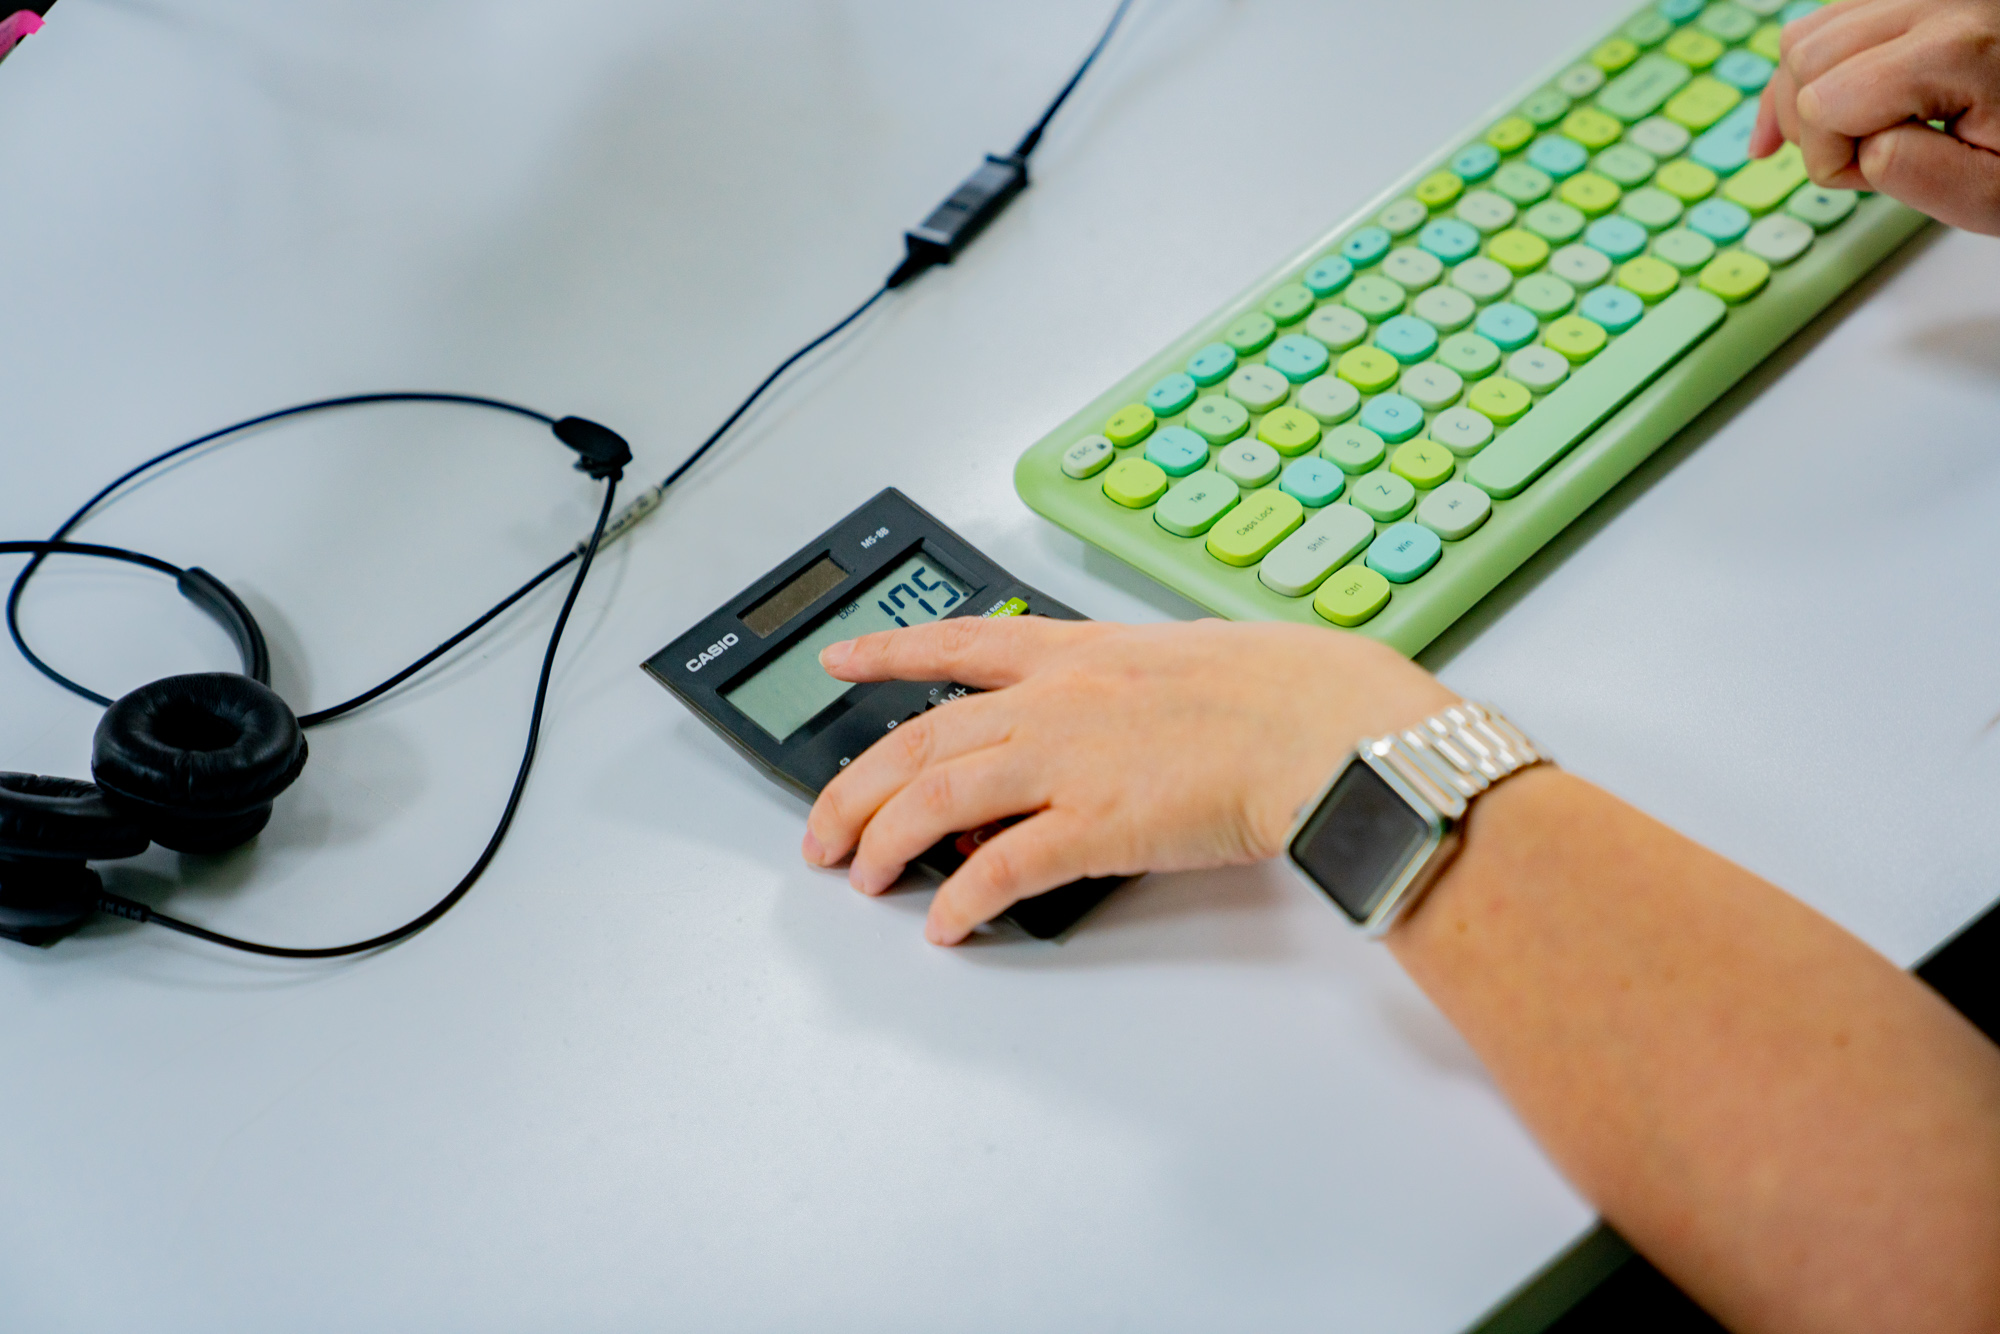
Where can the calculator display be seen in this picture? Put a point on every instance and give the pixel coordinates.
(789, 691)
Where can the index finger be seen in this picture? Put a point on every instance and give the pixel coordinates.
(983, 651)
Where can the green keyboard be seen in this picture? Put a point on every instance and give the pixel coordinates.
(1383, 429)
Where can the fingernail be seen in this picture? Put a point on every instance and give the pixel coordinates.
(813, 852)
(835, 654)
(1808, 103)
(865, 882)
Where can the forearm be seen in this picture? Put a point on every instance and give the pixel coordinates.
(1796, 1131)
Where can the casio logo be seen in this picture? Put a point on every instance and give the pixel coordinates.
(712, 652)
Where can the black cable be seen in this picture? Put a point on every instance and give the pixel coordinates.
(120, 906)
(1033, 138)
(59, 548)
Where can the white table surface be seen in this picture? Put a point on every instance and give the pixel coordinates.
(655, 1073)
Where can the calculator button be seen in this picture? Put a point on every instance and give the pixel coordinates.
(1289, 304)
(1250, 333)
(1297, 357)
(1507, 325)
(1406, 338)
(1643, 88)
(1686, 181)
(1403, 551)
(1256, 525)
(1577, 338)
(1445, 308)
(1171, 394)
(1088, 457)
(1313, 482)
(1617, 238)
(1743, 71)
(1329, 399)
(1778, 239)
(1819, 206)
(1726, 147)
(1352, 596)
(1475, 162)
(1353, 448)
(1554, 221)
(1217, 419)
(1736, 276)
(1520, 251)
(1337, 326)
(1625, 164)
(1411, 268)
(1659, 136)
(1651, 208)
(1580, 265)
(1590, 193)
(1423, 463)
(1368, 369)
(1648, 279)
(1365, 246)
(1130, 424)
(1510, 133)
(1545, 107)
(1613, 307)
(1697, 50)
(1544, 295)
(1212, 364)
(1392, 417)
(1485, 211)
(1557, 155)
(1462, 431)
(1328, 275)
(1258, 388)
(1500, 398)
(1765, 42)
(1702, 103)
(1290, 431)
(1538, 368)
(1249, 463)
(1430, 385)
(1593, 129)
(1383, 496)
(1719, 220)
(1521, 183)
(1436, 190)
(1134, 483)
(1196, 502)
(1580, 81)
(1454, 510)
(1615, 55)
(1763, 185)
(1177, 451)
(1402, 217)
(1322, 545)
(1469, 354)
(1481, 279)
(1685, 250)
(1376, 297)
(1450, 240)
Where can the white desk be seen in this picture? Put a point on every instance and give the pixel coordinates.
(655, 1073)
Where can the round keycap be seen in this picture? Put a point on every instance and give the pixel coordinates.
(1744, 72)
(1352, 596)
(1088, 456)
(1328, 275)
(1329, 399)
(1614, 55)
(1250, 333)
(1521, 183)
(1376, 297)
(1403, 551)
(1481, 279)
(1461, 430)
(1612, 307)
(1352, 447)
(1289, 304)
(1580, 265)
(1696, 50)
(1679, 11)
(1510, 132)
(1499, 398)
(1733, 275)
(1365, 246)
(1423, 463)
(1538, 368)
(1577, 338)
(1438, 189)
(1412, 268)
(1659, 136)
(1556, 155)
(1655, 210)
(1685, 250)
(1406, 338)
(1647, 278)
(1618, 238)
(1469, 354)
(1685, 181)
(1177, 451)
(1382, 496)
(1475, 162)
(1730, 23)
(1544, 294)
(1778, 239)
(1484, 211)
(1217, 419)
(1392, 417)
(1719, 220)
(1248, 463)
(1402, 217)
(1590, 193)
(1507, 325)
(1520, 251)
(1820, 207)
(1544, 107)
(1134, 483)
(1258, 388)
(1337, 326)
(1454, 510)
(1450, 240)
(1430, 385)
(1290, 431)
(1554, 221)
(1580, 81)
(1171, 394)
(1193, 504)
(1129, 425)
(1647, 28)
(1212, 364)
(1592, 128)
(1368, 369)
(1626, 165)
(1446, 308)
(1297, 357)
(1313, 482)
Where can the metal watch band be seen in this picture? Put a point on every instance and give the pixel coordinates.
(1452, 757)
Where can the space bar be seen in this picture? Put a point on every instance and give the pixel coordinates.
(1596, 390)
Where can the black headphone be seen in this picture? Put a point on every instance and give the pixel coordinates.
(194, 762)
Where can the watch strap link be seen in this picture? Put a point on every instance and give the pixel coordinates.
(1455, 755)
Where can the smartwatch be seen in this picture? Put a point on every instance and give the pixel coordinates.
(1387, 824)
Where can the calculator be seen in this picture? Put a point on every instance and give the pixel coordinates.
(751, 669)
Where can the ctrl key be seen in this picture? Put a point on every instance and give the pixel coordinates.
(1353, 595)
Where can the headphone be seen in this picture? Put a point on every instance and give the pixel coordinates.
(195, 762)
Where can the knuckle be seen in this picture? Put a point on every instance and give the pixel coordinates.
(935, 792)
(914, 742)
(957, 639)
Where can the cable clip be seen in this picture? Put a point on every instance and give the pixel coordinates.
(601, 451)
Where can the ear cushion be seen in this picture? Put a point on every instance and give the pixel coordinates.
(197, 759)
(42, 901)
(65, 818)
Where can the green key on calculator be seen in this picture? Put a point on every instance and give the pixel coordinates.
(1383, 429)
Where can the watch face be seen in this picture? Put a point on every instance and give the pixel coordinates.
(1360, 841)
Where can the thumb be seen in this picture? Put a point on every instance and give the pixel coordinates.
(1936, 173)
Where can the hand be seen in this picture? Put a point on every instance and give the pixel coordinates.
(1859, 79)
(1132, 748)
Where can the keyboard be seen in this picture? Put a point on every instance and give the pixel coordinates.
(1396, 418)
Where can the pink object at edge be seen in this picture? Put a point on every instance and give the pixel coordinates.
(16, 26)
